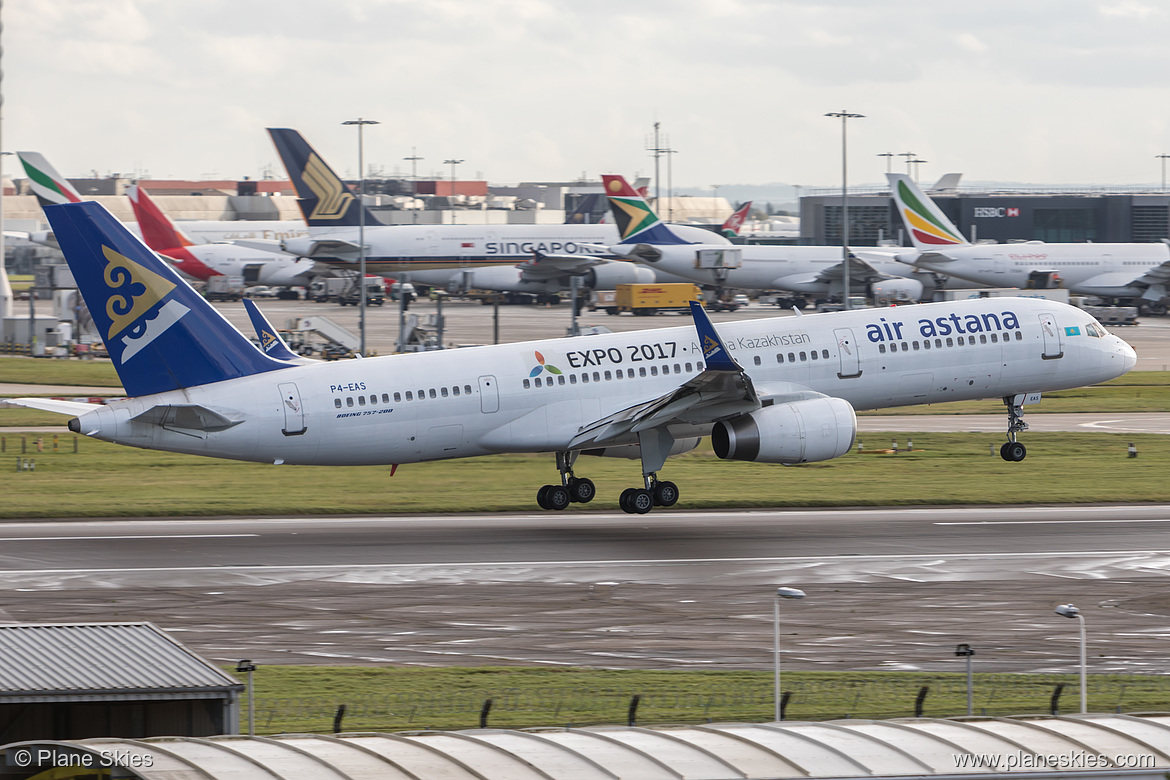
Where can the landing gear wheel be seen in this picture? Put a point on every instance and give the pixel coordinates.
(1014, 451)
(636, 501)
(542, 497)
(581, 490)
(665, 494)
(557, 497)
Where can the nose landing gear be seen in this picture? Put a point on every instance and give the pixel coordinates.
(1014, 451)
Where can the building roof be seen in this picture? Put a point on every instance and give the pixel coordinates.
(102, 662)
(1045, 747)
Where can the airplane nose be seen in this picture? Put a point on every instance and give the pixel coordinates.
(1128, 355)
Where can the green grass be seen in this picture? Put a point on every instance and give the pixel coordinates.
(301, 698)
(945, 468)
(45, 371)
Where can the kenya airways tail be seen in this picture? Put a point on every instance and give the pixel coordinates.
(163, 236)
(735, 222)
(49, 186)
(929, 228)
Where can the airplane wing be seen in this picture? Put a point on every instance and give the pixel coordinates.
(543, 267)
(859, 270)
(331, 247)
(1157, 280)
(722, 390)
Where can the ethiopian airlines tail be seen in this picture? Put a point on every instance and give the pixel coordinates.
(159, 332)
(928, 227)
(49, 186)
(636, 221)
(324, 198)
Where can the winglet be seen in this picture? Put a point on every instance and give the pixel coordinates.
(715, 353)
(636, 221)
(270, 341)
(928, 226)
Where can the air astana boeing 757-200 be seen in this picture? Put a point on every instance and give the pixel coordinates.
(777, 390)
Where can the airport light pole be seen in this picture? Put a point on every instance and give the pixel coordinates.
(1071, 612)
(1163, 157)
(361, 124)
(781, 593)
(966, 651)
(909, 156)
(845, 116)
(452, 162)
(915, 162)
(246, 665)
(889, 159)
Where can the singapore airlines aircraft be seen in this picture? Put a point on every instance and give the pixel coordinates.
(203, 261)
(816, 271)
(1139, 271)
(548, 252)
(778, 390)
(51, 187)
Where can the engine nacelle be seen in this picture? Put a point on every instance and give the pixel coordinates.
(633, 451)
(798, 432)
(897, 290)
(606, 275)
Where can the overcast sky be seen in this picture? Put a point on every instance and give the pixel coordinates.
(1034, 91)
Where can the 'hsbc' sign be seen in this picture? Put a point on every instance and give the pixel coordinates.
(997, 212)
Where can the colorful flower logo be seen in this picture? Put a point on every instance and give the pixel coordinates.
(543, 366)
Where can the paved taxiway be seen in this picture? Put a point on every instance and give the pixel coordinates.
(887, 589)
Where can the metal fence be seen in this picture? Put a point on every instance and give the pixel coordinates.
(805, 700)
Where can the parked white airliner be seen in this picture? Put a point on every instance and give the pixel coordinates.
(1139, 271)
(777, 390)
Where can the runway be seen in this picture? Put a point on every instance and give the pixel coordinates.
(887, 589)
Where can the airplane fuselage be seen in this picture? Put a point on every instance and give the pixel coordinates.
(536, 396)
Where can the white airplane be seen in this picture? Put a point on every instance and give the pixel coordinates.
(203, 261)
(779, 390)
(1140, 271)
(816, 271)
(334, 216)
(51, 187)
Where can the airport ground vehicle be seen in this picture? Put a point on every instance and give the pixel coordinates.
(375, 292)
(224, 288)
(648, 299)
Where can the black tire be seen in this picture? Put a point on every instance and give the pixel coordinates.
(624, 501)
(640, 501)
(1016, 451)
(665, 494)
(542, 497)
(1003, 453)
(557, 497)
(582, 490)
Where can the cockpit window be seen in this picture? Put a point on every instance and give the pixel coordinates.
(1095, 330)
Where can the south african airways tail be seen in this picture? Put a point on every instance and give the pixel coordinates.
(636, 221)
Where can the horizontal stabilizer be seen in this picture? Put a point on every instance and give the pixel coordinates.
(54, 405)
(189, 416)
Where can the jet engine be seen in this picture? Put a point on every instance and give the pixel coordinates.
(798, 432)
(606, 275)
(899, 289)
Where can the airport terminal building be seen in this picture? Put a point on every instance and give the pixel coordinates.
(1103, 215)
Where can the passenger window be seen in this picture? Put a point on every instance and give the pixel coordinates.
(608, 376)
(983, 338)
(641, 370)
(585, 378)
(994, 339)
(950, 342)
(925, 344)
(596, 377)
(678, 368)
(653, 370)
(825, 354)
(432, 392)
(397, 398)
(455, 390)
(539, 383)
(385, 398)
(779, 357)
(916, 346)
(961, 344)
(361, 400)
(443, 392)
(629, 373)
(757, 360)
(527, 384)
(1019, 336)
(560, 380)
(938, 343)
(882, 348)
(337, 402)
(688, 368)
(813, 354)
(791, 357)
(905, 347)
(572, 379)
(467, 389)
(349, 401)
(409, 395)
(893, 347)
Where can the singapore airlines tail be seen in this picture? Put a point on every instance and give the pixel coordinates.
(160, 333)
(49, 186)
(324, 198)
(929, 228)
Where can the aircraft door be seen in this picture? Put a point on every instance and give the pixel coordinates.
(847, 348)
(294, 413)
(489, 396)
(1053, 348)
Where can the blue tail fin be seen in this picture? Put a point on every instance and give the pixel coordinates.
(714, 350)
(270, 341)
(324, 198)
(160, 333)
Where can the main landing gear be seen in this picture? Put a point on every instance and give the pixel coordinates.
(572, 489)
(1012, 450)
(655, 444)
